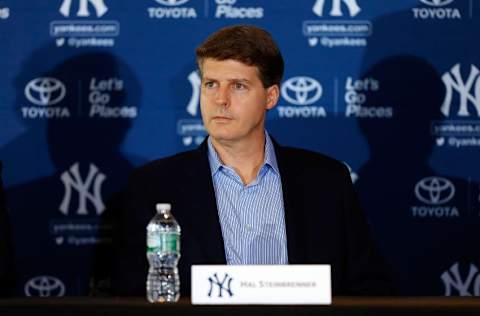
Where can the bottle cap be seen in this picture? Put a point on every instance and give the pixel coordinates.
(163, 207)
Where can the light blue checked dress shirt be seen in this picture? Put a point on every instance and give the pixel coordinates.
(251, 216)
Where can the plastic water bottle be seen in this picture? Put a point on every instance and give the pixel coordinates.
(163, 253)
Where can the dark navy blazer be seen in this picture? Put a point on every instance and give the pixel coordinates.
(324, 222)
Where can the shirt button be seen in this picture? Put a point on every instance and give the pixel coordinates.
(249, 227)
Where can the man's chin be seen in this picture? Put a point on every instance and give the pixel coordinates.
(223, 136)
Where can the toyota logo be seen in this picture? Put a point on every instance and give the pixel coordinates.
(172, 3)
(436, 3)
(45, 91)
(434, 190)
(44, 286)
(301, 90)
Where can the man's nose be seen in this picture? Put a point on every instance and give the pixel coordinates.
(222, 97)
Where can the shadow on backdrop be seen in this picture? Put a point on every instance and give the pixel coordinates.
(431, 249)
(63, 224)
(418, 246)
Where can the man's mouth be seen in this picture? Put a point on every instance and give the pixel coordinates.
(222, 118)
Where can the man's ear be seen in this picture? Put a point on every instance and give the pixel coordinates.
(273, 93)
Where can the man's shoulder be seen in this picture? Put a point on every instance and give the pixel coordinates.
(167, 165)
(309, 157)
(311, 160)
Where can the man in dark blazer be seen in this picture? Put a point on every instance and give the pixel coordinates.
(6, 253)
(319, 218)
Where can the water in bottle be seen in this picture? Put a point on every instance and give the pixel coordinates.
(163, 253)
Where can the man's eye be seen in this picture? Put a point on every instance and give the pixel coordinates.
(209, 84)
(240, 86)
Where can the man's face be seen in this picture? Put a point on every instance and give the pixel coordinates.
(233, 100)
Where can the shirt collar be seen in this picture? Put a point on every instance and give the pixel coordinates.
(215, 163)
(270, 158)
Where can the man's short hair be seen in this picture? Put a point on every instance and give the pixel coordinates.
(248, 44)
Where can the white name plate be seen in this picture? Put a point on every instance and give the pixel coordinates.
(261, 284)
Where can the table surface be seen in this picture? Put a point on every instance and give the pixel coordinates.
(384, 306)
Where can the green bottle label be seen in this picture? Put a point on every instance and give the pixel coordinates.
(163, 242)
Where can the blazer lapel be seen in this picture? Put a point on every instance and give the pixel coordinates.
(205, 223)
(290, 175)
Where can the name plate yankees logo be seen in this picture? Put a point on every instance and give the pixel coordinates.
(469, 90)
(90, 189)
(99, 6)
(336, 10)
(452, 280)
(224, 285)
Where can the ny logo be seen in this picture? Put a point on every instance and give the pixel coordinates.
(220, 285)
(195, 81)
(99, 5)
(452, 280)
(93, 183)
(336, 10)
(464, 89)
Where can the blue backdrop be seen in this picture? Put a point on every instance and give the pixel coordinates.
(90, 89)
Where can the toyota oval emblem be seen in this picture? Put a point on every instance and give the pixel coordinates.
(434, 190)
(436, 3)
(44, 286)
(45, 91)
(301, 90)
(172, 3)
